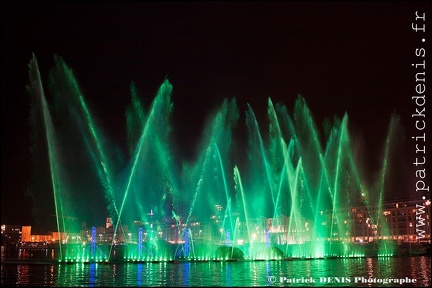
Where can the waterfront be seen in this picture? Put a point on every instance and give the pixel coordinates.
(342, 272)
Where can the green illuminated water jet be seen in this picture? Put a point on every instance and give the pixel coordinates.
(292, 197)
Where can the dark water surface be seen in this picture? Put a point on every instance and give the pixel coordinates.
(319, 272)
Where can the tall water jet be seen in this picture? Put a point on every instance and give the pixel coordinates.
(69, 99)
(209, 172)
(239, 188)
(139, 180)
(63, 210)
(384, 247)
(260, 169)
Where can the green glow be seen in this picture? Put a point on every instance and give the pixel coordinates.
(379, 217)
(225, 185)
(263, 154)
(300, 179)
(101, 163)
(37, 90)
(239, 186)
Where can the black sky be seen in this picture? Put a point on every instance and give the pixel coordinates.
(342, 57)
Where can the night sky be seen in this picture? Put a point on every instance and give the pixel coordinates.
(341, 57)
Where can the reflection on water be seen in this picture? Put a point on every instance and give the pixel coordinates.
(92, 278)
(218, 273)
